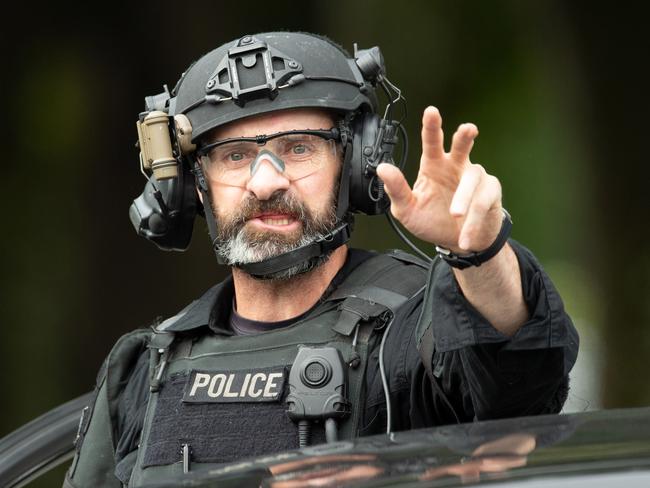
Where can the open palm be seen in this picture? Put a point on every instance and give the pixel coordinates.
(453, 203)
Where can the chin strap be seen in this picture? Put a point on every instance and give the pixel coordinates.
(207, 208)
(307, 253)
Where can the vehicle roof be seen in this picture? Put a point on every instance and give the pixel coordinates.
(580, 449)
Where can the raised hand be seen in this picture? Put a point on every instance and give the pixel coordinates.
(454, 203)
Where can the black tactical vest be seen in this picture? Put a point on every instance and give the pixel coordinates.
(215, 399)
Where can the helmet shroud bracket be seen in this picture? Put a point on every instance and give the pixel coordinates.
(251, 70)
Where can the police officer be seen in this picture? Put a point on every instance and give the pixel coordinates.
(278, 139)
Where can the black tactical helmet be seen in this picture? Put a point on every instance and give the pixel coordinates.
(252, 75)
(267, 72)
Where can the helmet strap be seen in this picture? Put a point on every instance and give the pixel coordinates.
(309, 253)
(343, 202)
(210, 219)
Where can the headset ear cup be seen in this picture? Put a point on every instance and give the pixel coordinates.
(366, 190)
(164, 213)
(182, 203)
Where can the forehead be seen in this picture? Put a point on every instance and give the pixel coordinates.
(282, 120)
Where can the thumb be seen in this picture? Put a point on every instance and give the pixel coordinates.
(396, 187)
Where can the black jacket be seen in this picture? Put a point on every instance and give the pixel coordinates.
(481, 374)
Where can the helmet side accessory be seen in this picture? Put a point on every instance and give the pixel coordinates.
(164, 213)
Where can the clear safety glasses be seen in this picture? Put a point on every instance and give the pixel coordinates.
(296, 154)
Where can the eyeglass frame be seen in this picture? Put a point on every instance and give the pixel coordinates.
(333, 134)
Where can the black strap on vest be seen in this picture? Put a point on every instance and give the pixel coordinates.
(426, 351)
(426, 348)
(364, 305)
(380, 288)
(159, 344)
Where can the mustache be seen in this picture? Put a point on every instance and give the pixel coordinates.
(279, 202)
(239, 243)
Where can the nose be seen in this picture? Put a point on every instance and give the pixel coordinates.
(266, 180)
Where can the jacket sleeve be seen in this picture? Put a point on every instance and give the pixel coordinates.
(478, 372)
(95, 460)
(94, 463)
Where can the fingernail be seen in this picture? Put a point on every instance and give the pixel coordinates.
(464, 243)
(457, 208)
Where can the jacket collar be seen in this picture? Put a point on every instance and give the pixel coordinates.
(213, 308)
(198, 313)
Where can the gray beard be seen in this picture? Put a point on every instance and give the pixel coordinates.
(238, 245)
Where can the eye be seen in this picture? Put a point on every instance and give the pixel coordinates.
(235, 156)
(299, 149)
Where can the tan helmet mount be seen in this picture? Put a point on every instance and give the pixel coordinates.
(156, 148)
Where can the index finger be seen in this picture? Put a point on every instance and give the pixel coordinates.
(462, 142)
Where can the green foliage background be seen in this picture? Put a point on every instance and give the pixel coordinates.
(556, 89)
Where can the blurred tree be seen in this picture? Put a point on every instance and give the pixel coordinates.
(613, 121)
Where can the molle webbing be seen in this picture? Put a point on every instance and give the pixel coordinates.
(219, 431)
(219, 435)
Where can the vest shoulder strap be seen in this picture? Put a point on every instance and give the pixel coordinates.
(119, 364)
(123, 356)
(378, 287)
(425, 337)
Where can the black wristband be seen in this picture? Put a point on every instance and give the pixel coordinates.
(478, 258)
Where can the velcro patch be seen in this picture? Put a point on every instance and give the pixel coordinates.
(244, 386)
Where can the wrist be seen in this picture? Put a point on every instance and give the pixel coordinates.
(464, 260)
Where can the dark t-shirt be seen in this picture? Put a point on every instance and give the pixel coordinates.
(243, 326)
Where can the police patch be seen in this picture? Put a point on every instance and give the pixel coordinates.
(244, 386)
